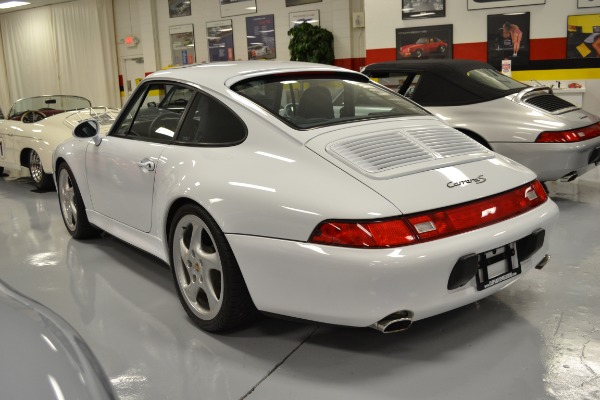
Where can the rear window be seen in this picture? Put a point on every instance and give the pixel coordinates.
(310, 101)
(495, 80)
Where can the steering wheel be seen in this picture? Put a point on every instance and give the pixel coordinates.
(31, 116)
(289, 110)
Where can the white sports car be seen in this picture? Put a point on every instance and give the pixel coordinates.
(263, 195)
(36, 125)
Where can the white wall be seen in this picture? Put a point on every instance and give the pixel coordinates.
(547, 21)
(133, 18)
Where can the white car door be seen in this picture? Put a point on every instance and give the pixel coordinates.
(121, 170)
(7, 151)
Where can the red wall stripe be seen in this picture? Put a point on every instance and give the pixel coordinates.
(540, 49)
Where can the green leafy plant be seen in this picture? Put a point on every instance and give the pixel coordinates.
(311, 43)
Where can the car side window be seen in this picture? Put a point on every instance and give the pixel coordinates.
(155, 114)
(209, 122)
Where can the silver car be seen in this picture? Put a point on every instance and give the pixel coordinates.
(531, 125)
(42, 355)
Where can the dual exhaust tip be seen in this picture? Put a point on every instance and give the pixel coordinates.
(395, 322)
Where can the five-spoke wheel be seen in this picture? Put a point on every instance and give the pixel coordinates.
(207, 277)
(71, 205)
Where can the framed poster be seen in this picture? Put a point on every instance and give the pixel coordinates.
(260, 37)
(588, 3)
(183, 50)
(424, 42)
(583, 36)
(310, 17)
(220, 40)
(412, 9)
(508, 38)
(237, 7)
(480, 4)
(290, 3)
(180, 8)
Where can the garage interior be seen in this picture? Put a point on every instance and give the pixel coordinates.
(537, 339)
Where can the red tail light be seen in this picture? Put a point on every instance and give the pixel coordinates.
(574, 135)
(431, 225)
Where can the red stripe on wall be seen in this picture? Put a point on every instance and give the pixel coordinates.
(350, 63)
(540, 49)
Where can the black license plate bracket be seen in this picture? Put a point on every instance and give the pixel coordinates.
(497, 265)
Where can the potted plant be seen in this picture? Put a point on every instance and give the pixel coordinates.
(311, 43)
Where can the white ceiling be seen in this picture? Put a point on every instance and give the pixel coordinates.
(34, 3)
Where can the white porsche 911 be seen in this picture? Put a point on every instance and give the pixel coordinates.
(263, 195)
(34, 127)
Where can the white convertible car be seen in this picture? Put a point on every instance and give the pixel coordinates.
(36, 125)
(263, 195)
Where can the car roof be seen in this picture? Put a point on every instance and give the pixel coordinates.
(221, 75)
(447, 76)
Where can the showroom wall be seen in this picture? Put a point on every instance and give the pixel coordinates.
(548, 39)
(66, 48)
(150, 22)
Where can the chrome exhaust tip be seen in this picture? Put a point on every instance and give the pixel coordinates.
(571, 176)
(395, 322)
(543, 263)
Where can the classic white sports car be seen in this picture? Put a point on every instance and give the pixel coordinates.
(36, 125)
(261, 194)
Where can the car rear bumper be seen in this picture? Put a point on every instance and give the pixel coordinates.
(551, 161)
(358, 287)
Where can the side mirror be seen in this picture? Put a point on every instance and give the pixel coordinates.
(89, 129)
(152, 104)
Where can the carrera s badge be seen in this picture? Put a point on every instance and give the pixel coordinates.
(477, 181)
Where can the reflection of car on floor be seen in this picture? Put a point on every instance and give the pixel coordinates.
(42, 355)
(258, 50)
(424, 47)
(265, 193)
(36, 125)
(528, 124)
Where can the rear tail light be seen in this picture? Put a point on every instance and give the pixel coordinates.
(431, 225)
(570, 136)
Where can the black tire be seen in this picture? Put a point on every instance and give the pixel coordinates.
(71, 204)
(207, 278)
(442, 49)
(41, 179)
(1, 171)
(419, 53)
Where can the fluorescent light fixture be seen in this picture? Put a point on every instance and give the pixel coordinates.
(11, 4)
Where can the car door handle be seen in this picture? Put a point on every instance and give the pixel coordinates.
(147, 165)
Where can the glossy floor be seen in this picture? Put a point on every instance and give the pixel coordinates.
(538, 339)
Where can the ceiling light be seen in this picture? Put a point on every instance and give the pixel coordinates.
(11, 4)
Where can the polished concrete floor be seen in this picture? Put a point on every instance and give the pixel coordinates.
(538, 339)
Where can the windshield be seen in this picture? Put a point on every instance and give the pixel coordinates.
(310, 101)
(495, 80)
(49, 105)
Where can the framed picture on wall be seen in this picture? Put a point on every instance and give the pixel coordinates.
(290, 3)
(414, 9)
(508, 38)
(309, 16)
(588, 3)
(480, 4)
(260, 36)
(220, 40)
(424, 42)
(180, 8)
(237, 7)
(183, 49)
(583, 36)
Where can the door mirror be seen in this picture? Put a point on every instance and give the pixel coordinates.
(152, 104)
(89, 129)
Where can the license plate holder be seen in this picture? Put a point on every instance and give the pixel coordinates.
(497, 265)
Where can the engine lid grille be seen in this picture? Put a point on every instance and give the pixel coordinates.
(383, 151)
(550, 103)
